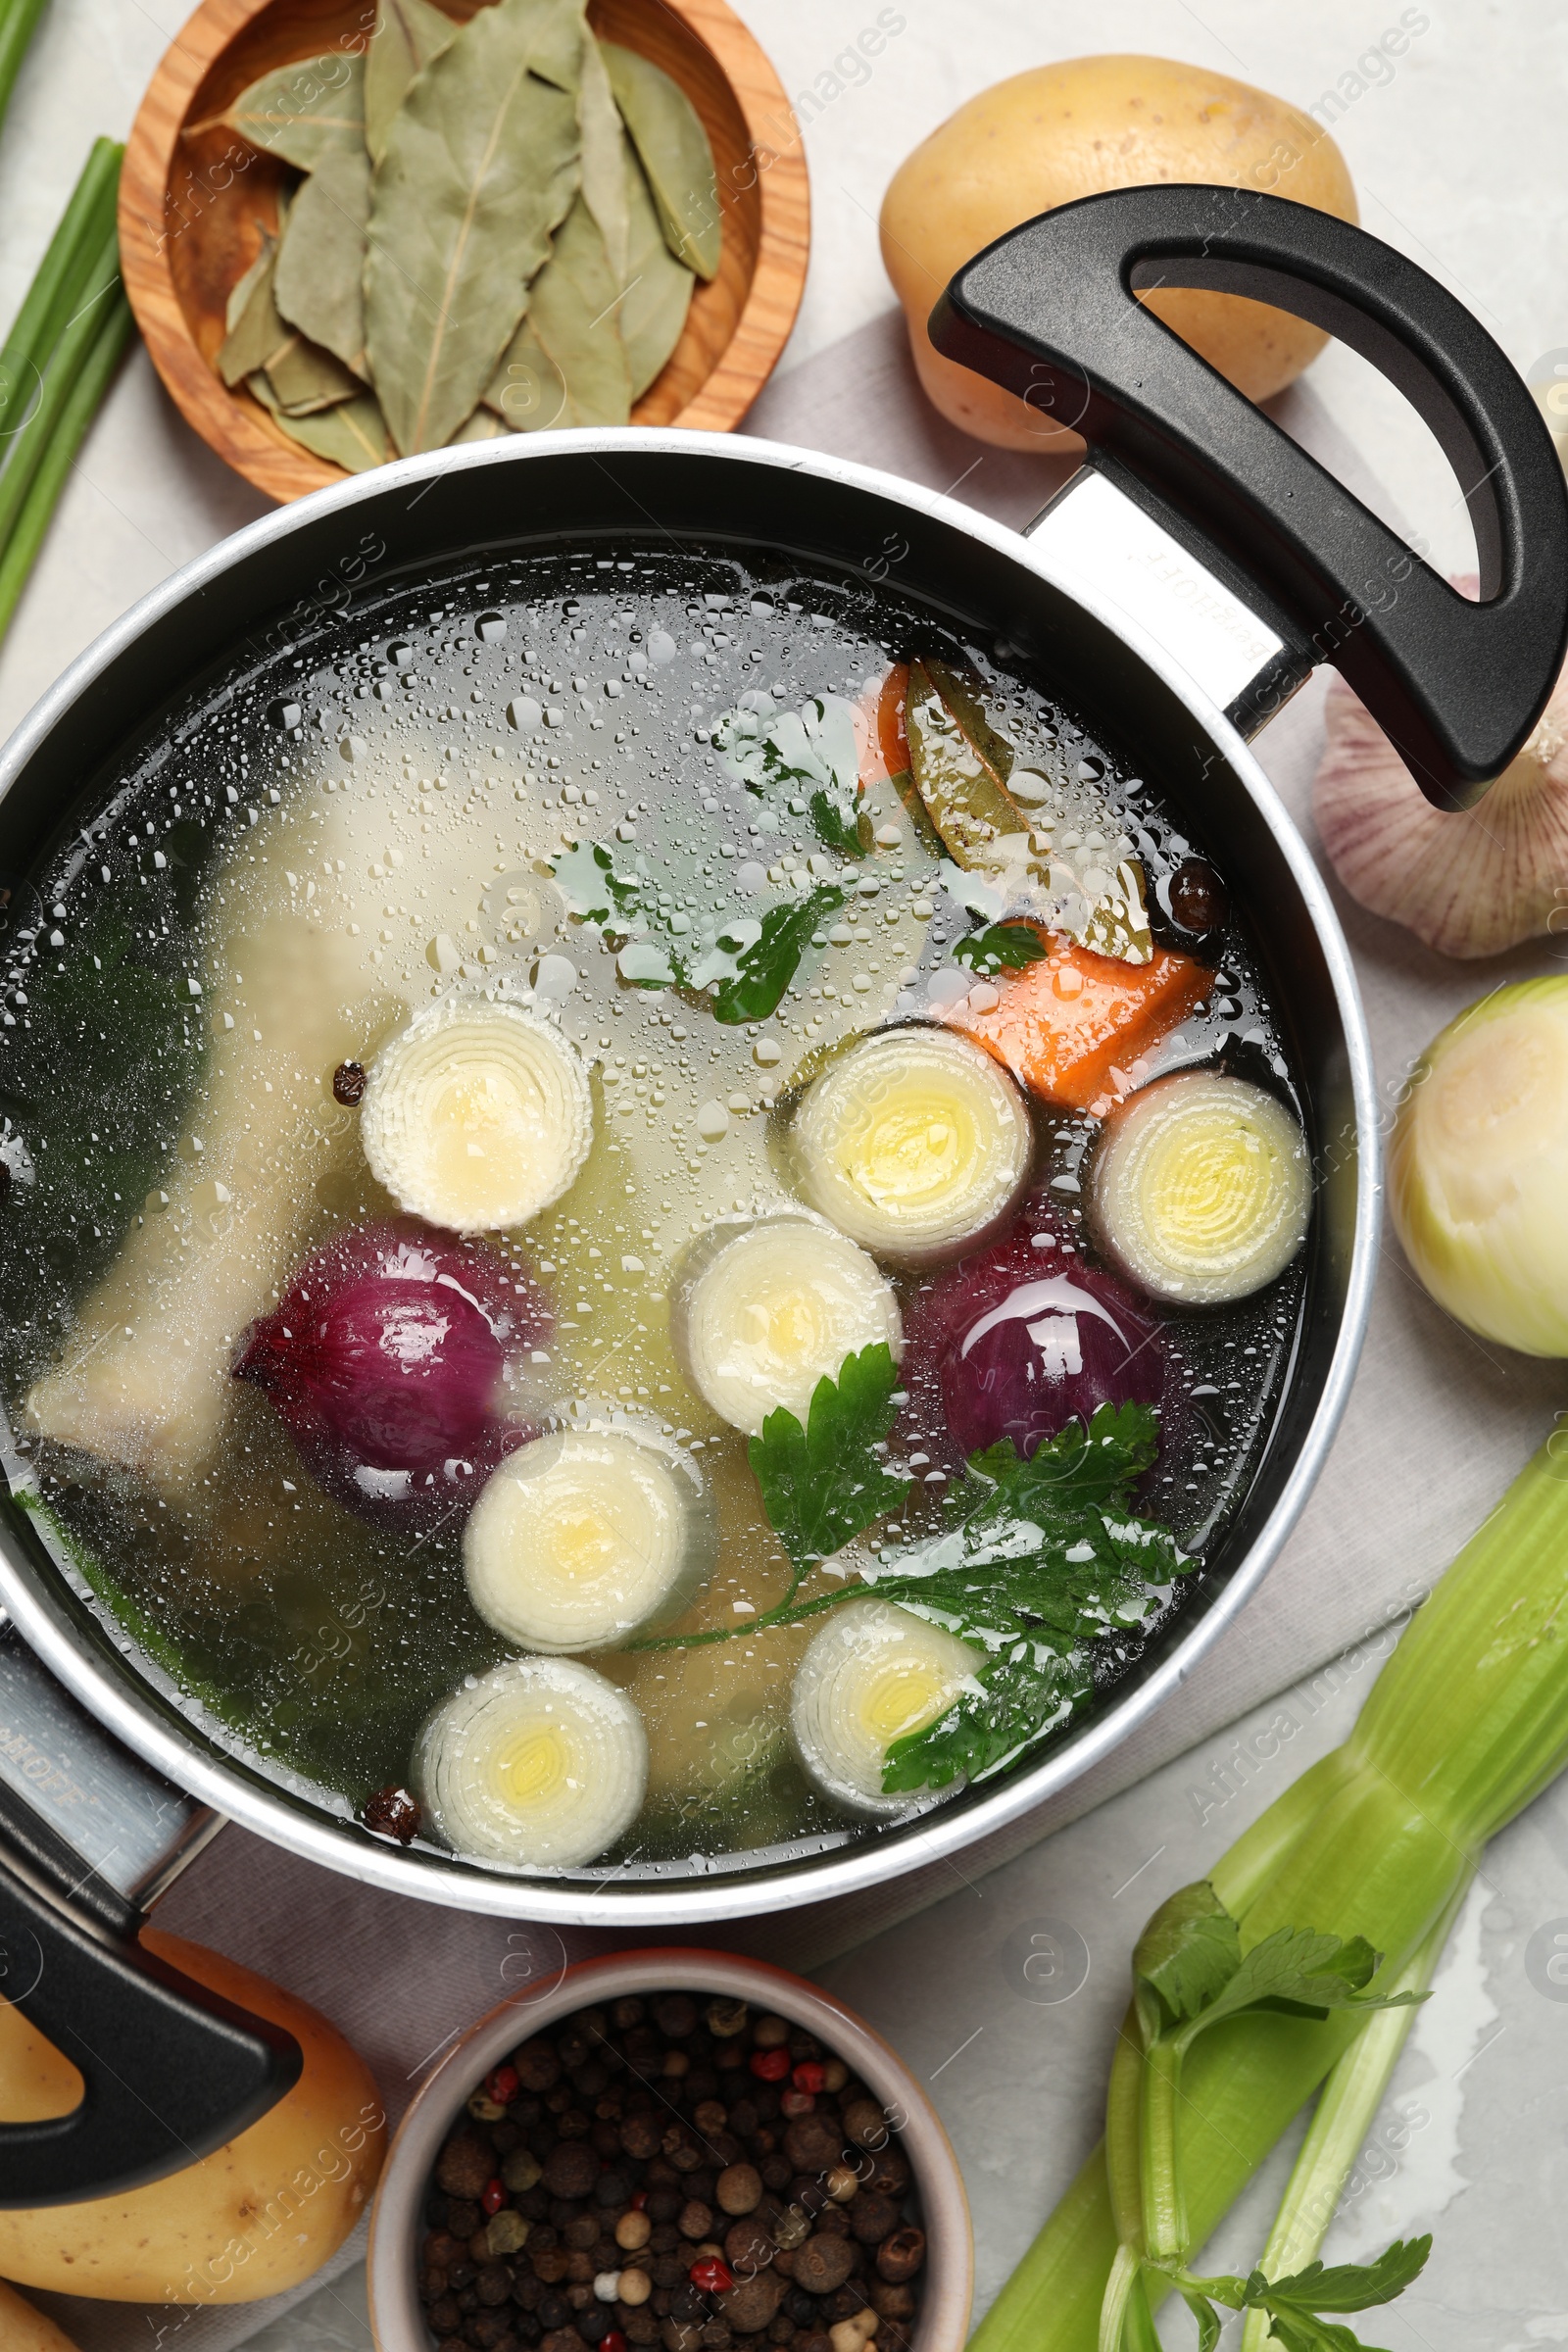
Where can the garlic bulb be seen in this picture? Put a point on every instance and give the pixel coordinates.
(1470, 883)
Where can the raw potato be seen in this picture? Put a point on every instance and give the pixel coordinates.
(259, 2215)
(1062, 131)
(24, 2329)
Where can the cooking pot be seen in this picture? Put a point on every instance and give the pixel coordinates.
(1179, 589)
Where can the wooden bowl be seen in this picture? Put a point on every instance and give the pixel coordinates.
(193, 206)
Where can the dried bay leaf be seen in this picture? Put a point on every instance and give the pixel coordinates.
(353, 434)
(482, 163)
(306, 377)
(240, 292)
(409, 35)
(483, 426)
(659, 288)
(668, 135)
(300, 111)
(318, 283)
(567, 362)
(604, 158)
(256, 332)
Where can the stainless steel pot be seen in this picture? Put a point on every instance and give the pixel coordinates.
(1180, 587)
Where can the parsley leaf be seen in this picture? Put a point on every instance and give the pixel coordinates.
(1001, 948)
(811, 751)
(1189, 1949)
(823, 1484)
(586, 878)
(1300, 1972)
(753, 962)
(764, 969)
(1347, 2285)
(1294, 2304)
(1043, 1557)
(1040, 1559)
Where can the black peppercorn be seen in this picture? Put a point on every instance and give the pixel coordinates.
(348, 1083)
(393, 1812)
(1195, 897)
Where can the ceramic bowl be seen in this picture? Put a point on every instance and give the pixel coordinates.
(397, 2221)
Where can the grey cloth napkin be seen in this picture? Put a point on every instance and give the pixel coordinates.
(1437, 1424)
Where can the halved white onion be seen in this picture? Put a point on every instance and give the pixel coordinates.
(874, 1672)
(477, 1115)
(1201, 1188)
(580, 1537)
(915, 1141)
(539, 1764)
(768, 1308)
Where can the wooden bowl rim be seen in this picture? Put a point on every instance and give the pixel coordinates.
(249, 442)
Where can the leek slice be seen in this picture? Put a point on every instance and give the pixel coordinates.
(477, 1115)
(768, 1307)
(583, 1537)
(1203, 1189)
(914, 1142)
(874, 1674)
(539, 1764)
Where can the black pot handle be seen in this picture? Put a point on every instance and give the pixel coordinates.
(171, 2069)
(1049, 312)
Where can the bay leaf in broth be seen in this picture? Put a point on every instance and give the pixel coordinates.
(306, 377)
(318, 283)
(567, 362)
(299, 112)
(668, 135)
(351, 434)
(482, 163)
(257, 331)
(409, 35)
(658, 287)
(604, 158)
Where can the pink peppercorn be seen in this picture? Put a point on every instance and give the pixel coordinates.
(494, 2196)
(770, 2066)
(714, 2277)
(811, 2074)
(502, 2086)
(795, 2103)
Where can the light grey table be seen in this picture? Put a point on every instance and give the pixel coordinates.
(1457, 157)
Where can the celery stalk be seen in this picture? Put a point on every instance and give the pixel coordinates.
(1343, 2116)
(1467, 1721)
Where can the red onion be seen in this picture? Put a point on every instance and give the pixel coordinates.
(387, 1360)
(1020, 1338)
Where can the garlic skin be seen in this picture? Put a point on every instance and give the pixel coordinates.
(1468, 884)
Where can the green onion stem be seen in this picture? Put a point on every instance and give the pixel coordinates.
(1466, 1723)
(18, 25)
(94, 304)
(1344, 2114)
(49, 478)
(54, 292)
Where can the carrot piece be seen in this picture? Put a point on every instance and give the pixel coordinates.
(892, 739)
(1073, 1026)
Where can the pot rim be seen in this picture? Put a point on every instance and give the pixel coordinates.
(865, 1861)
(395, 2320)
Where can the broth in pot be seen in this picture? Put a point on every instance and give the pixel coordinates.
(651, 1210)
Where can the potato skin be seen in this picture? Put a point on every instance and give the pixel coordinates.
(1047, 137)
(21, 2328)
(259, 2214)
